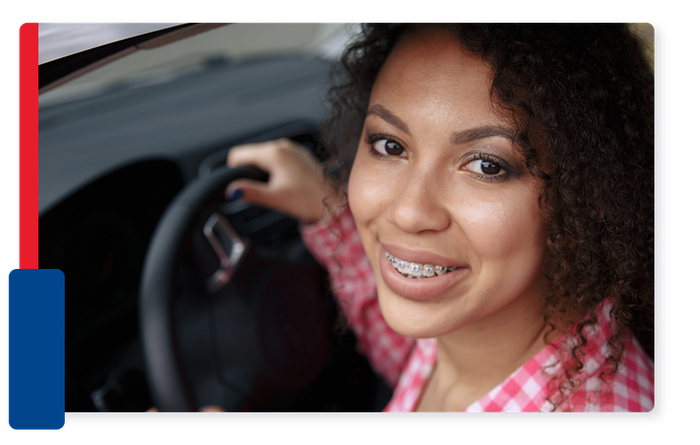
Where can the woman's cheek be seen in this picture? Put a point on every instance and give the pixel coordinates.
(369, 192)
(496, 228)
(483, 221)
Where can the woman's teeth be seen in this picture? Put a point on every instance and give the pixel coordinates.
(417, 270)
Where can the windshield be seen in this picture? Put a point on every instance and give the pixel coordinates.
(233, 43)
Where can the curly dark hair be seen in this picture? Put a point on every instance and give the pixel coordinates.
(581, 98)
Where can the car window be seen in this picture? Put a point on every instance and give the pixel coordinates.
(230, 42)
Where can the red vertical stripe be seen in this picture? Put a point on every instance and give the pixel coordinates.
(29, 146)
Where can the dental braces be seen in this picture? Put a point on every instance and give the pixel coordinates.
(417, 270)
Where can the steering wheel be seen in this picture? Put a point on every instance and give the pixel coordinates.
(223, 321)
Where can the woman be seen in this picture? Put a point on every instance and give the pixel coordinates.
(502, 192)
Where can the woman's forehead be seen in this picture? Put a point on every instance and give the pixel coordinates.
(429, 73)
(433, 59)
(434, 44)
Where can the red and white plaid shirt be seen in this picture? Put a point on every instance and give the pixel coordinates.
(407, 363)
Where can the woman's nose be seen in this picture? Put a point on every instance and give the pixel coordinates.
(418, 205)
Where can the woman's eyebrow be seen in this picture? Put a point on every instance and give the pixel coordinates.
(473, 134)
(462, 137)
(389, 117)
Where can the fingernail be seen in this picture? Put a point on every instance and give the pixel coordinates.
(237, 193)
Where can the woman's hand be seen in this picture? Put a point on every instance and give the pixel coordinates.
(297, 185)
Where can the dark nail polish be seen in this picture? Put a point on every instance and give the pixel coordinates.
(235, 195)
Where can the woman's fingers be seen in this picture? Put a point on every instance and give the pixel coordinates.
(260, 155)
(255, 192)
(296, 184)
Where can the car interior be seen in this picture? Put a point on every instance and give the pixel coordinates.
(116, 159)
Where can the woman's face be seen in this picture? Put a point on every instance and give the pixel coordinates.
(437, 181)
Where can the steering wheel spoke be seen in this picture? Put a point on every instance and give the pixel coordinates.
(227, 245)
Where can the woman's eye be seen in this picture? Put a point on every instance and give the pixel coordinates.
(484, 167)
(389, 148)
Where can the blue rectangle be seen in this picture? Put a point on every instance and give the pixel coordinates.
(37, 344)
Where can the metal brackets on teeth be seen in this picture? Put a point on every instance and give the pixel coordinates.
(417, 270)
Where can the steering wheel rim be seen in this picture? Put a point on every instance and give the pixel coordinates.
(171, 388)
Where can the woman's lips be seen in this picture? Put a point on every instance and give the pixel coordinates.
(423, 289)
